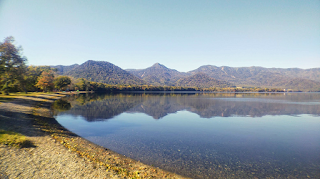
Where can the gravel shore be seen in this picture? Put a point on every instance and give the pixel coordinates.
(56, 152)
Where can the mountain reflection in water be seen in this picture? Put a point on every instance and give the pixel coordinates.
(95, 107)
(204, 135)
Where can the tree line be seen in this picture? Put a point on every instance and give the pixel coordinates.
(16, 76)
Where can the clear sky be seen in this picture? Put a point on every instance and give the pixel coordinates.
(181, 34)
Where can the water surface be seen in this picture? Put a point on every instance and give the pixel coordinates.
(205, 135)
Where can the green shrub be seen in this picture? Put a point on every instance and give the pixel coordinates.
(14, 139)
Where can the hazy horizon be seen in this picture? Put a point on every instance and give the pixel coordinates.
(181, 35)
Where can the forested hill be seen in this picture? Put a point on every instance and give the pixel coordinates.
(104, 72)
(159, 75)
(310, 74)
(201, 80)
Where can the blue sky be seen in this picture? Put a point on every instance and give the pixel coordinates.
(182, 35)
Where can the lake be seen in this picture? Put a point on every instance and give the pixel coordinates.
(204, 135)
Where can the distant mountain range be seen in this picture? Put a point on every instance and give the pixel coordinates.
(291, 78)
(204, 76)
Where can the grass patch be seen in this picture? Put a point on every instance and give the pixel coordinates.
(14, 139)
(24, 94)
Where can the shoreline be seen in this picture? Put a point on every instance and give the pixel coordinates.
(115, 165)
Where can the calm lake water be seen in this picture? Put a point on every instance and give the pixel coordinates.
(204, 135)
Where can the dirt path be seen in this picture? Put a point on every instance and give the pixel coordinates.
(57, 153)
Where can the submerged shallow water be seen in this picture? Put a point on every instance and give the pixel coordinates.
(204, 135)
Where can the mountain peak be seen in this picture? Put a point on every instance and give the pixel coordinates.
(158, 65)
(103, 72)
(97, 62)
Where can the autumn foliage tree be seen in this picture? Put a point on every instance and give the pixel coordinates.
(32, 76)
(45, 81)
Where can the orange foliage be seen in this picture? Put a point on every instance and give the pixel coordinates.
(45, 81)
